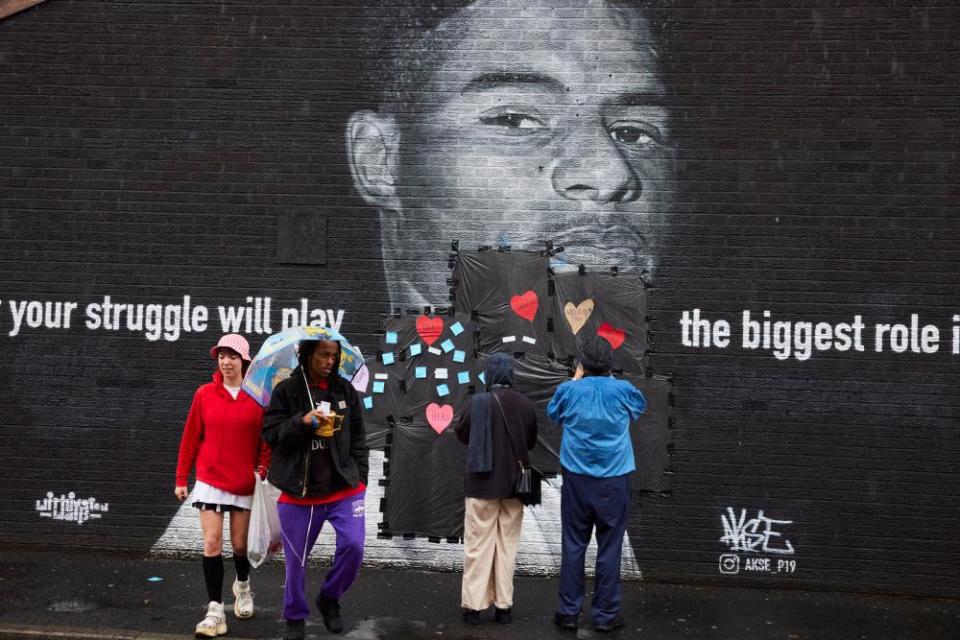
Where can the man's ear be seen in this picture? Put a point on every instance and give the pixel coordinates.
(372, 143)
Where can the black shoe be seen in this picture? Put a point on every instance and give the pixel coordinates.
(471, 617)
(294, 630)
(330, 610)
(503, 616)
(567, 623)
(613, 625)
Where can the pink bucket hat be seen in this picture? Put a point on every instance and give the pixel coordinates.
(232, 341)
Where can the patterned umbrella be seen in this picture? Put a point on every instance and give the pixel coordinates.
(277, 359)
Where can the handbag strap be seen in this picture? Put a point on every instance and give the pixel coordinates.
(506, 428)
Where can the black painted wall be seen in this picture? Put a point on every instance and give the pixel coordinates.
(149, 150)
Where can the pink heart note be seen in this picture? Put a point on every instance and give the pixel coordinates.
(439, 416)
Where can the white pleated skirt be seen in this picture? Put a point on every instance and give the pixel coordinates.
(205, 496)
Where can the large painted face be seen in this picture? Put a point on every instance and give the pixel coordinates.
(554, 130)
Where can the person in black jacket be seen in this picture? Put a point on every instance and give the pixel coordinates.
(314, 426)
(499, 430)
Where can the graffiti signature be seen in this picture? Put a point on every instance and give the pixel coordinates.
(752, 535)
(70, 509)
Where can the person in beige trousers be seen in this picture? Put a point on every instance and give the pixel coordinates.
(499, 430)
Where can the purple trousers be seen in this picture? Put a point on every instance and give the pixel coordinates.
(300, 527)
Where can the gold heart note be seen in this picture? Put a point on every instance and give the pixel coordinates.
(577, 315)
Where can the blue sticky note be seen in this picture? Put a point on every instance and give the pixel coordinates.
(482, 378)
(421, 372)
(459, 356)
(415, 349)
(388, 357)
(442, 390)
(368, 402)
(447, 345)
(391, 337)
(463, 377)
(378, 386)
(456, 328)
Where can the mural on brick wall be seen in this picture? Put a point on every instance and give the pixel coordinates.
(754, 205)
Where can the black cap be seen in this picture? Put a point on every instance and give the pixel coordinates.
(596, 354)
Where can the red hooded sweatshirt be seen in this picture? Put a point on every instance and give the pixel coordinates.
(222, 436)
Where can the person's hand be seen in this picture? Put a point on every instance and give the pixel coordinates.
(180, 492)
(578, 374)
(311, 418)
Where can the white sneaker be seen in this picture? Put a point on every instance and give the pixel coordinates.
(243, 603)
(215, 624)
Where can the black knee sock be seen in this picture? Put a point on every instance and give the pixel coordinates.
(243, 567)
(213, 576)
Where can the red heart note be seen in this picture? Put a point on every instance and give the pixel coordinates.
(525, 305)
(439, 416)
(429, 329)
(612, 335)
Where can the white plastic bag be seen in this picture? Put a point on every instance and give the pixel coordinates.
(263, 539)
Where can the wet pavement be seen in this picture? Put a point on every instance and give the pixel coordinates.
(67, 594)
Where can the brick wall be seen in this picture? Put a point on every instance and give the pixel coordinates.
(151, 151)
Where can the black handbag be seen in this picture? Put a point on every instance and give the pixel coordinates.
(527, 488)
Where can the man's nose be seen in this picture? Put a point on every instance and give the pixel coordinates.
(589, 166)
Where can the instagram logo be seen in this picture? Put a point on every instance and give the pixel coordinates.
(729, 563)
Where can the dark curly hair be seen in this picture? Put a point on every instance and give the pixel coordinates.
(307, 347)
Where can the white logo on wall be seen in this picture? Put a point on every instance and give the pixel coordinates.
(760, 536)
(71, 509)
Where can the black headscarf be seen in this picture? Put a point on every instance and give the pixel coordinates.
(498, 371)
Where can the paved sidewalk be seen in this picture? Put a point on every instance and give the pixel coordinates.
(46, 594)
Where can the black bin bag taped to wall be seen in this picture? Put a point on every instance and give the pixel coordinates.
(425, 491)
(507, 291)
(651, 435)
(434, 368)
(611, 306)
(381, 402)
(536, 378)
(434, 365)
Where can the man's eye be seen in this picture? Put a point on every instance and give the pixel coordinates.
(633, 135)
(512, 121)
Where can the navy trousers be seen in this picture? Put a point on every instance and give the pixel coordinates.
(587, 502)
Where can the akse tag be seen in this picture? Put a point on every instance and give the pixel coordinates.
(343, 404)
(324, 407)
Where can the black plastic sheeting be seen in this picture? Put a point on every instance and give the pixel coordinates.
(506, 293)
(651, 435)
(424, 494)
(600, 303)
(428, 367)
(381, 405)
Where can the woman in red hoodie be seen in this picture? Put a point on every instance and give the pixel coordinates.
(222, 436)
